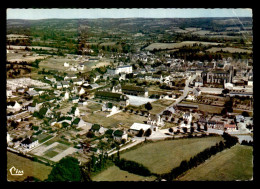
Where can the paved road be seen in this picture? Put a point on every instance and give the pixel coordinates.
(186, 90)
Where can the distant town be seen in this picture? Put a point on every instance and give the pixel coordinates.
(130, 99)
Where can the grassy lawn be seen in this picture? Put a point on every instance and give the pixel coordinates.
(205, 108)
(163, 156)
(29, 167)
(127, 119)
(160, 105)
(51, 154)
(113, 173)
(232, 164)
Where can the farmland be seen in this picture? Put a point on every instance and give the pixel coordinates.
(160, 157)
(232, 164)
(30, 168)
(177, 45)
(123, 117)
(113, 173)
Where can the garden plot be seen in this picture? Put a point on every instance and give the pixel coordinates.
(138, 101)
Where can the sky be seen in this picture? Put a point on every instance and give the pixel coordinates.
(34, 14)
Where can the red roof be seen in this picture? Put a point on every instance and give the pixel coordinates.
(230, 126)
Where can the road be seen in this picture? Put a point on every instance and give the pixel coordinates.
(186, 90)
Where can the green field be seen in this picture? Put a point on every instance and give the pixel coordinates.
(160, 105)
(161, 157)
(229, 165)
(29, 167)
(125, 118)
(51, 154)
(113, 173)
(177, 45)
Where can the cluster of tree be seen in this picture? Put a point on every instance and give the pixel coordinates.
(133, 167)
(245, 142)
(67, 169)
(200, 157)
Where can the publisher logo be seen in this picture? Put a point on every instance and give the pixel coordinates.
(15, 172)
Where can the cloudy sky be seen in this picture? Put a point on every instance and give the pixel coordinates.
(125, 13)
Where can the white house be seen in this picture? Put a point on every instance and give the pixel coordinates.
(187, 117)
(29, 143)
(119, 135)
(66, 64)
(66, 96)
(8, 93)
(77, 113)
(65, 84)
(81, 91)
(197, 91)
(228, 85)
(136, 127)
(16, 107)
(155, 120)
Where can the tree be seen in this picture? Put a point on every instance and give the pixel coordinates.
(170, 130)
(140, 133)
(245, 114)
(185, 129)
(148, 132)
(67, 169)
(148, 106)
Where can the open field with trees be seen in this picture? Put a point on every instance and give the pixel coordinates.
(29, 167)
(229, 49)
(160, 157)
(177, 45)
(113, 173)
(231, 164)
(125, 118)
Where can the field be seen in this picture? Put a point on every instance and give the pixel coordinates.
(160, 105)
(205, 108)
(113, 173)
(161, 157)
(176, 45)
(29, 167)
(229, 49)
(229, 165)
(22, 55)
(120, 118)
(101, 64)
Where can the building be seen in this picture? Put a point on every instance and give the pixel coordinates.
(117, 98)
(120, 69)
(230, 127)
(97, 129)
(197, 92)
(29, 143)
(135, 90)
(155, 120)
(217, 76)
(66, 65)
(119, 135)
(136, 127)
(65, 84)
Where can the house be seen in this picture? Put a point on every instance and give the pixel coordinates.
(230, 127)
(78, 82)
(66, 65)
(197, 91)
(212, 124)
(59, 85)
(29, 143)
(20, 90)
(81, 91)
(97, 129)
(187, 117)
(117, 98)
(219, 125)
(82, 102)
(65, 84)
(96, 77)
(155, 120)
(70, 76)
(250, 82)
(14, 106)
(75, 99)
(117, 89)
(32, 93)
(66, 96)
(8, 93)
(240, 118)
(136, 127)
(94, 86)
(119, 135)
(135, 90)
(77, 113)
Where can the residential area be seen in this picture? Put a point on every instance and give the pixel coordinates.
(108, 102)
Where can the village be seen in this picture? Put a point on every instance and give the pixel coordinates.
(66, 106)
